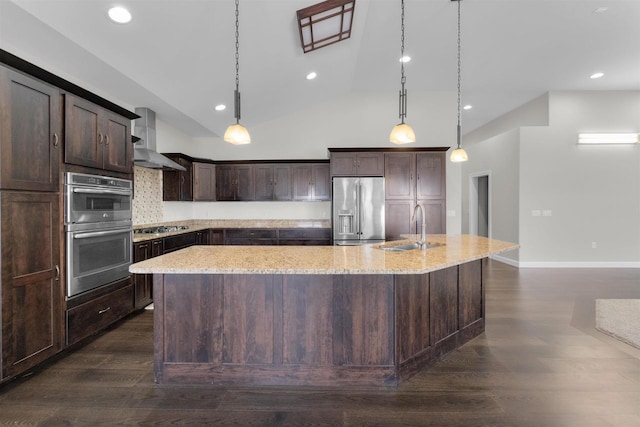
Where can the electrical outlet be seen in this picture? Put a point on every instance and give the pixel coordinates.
(451, 213)
(594, 245)
(535, 212)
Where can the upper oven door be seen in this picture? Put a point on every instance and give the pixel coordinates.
(95, 204)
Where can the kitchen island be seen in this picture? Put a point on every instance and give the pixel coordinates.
(307, 315)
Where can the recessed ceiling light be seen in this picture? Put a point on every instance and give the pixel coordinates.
(220, 107)
(312, 75)
(119, 14)
(600, 9)
(405, 58)
(467, 107)
(596, 75)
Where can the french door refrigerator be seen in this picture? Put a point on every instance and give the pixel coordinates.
(358, 210)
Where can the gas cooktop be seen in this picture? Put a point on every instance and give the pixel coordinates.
(161, 229)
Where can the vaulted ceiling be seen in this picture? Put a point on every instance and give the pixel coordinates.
(177, 56)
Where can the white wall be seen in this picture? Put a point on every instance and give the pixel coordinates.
(591, 194)
(354, 120)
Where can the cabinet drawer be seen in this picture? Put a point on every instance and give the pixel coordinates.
(304, 242)
(95, 315)
(305, 233)
(251, 242)
(173, 243)
(251, 233)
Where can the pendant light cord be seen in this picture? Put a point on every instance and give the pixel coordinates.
(236, 100)
(403, 79)
(459, 78)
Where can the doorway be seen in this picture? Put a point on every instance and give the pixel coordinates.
(479, 203)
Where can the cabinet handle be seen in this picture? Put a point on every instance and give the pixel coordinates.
(143, 246)
(56, 139)
(100, 138)
(57, 272)
(104, 310)
(106, 140)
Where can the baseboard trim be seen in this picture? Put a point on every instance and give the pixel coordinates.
(505, 260)
(579, 264)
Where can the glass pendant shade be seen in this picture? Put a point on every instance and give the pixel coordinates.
(402, 133)
(459, 155)
(237, 135)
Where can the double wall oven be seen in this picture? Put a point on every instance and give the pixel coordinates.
(98, 228)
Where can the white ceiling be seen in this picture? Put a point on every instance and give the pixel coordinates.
(177, 56)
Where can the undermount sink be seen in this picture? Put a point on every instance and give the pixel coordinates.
(407, 247)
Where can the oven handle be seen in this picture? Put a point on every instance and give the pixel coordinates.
(99, 234)
(100, 191)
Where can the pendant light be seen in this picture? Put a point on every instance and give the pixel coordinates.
(459, 155)
(402, 133)
(237, 134)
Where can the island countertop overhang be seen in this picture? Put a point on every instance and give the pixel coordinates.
(365, 259)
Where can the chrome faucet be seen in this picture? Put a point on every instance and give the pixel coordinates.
(423, 236)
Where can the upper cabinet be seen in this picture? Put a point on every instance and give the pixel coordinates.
(311, 181)
(204, 182)
(178, 185)
(96, 137)
(235, 182)
(272, 181)
(30, 133)
(358, 163)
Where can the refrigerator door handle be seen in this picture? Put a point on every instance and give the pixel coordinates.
(360, 216)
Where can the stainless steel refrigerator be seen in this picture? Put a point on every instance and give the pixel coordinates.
(358, 210)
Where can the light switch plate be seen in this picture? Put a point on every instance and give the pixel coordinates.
(535, 212)
(546, 213)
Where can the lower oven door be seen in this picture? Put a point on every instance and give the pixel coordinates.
(97, 257)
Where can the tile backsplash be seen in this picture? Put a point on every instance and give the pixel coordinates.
(147, 200)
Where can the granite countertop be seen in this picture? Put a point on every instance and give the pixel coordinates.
(196, 225)
(366, 259)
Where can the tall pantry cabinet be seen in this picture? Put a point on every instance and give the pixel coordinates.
(31, 291)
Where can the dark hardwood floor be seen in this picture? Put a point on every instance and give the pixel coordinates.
(540, 363)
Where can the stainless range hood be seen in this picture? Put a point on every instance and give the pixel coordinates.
(144, 153)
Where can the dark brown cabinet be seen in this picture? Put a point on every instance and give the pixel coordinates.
(30, 133)
(311, 181)
(272, 181)
(235, 182)
(358, 163)
(204, 182)
(304, 236)
(143, 283)
(178, 185)
(32, 290)
(414, 178)
(251, 236)
(96, 137)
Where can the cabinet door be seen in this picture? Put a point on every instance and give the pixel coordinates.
(435, 213)
(431, 177)
(245, 187)
(186, 180)
(178, 185)
(225, 182)
(321, 182)
(204, 182)
(83, 137)
(216, 237)
(343, 164)
(302, 182)
(400, 172)
(282, 182)
(264, 180)
(142, 283)
(32, 292)
(30, 126)
(398, 218)
(370, 164)
(117, 146)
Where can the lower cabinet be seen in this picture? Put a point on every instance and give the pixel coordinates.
(251, 236)
(304, 236)
(31, 289)
(93, 315)
(143, 283)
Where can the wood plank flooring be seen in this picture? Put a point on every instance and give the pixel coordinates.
(540, 363)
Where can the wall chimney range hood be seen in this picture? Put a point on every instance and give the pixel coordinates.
(144, 136)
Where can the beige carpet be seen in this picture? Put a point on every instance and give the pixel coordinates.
(619, 318)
